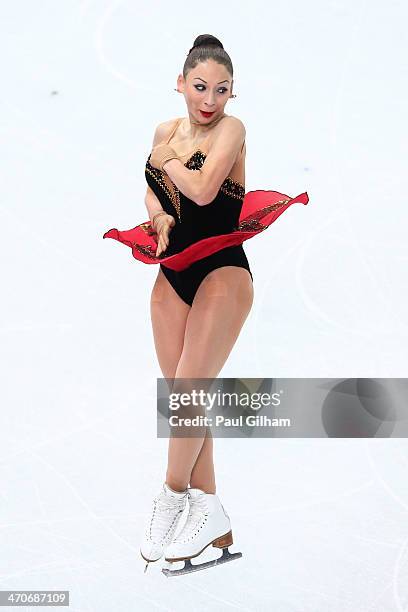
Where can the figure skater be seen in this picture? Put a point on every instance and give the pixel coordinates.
(204, 291)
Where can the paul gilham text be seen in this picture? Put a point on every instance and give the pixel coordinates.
(249, 420)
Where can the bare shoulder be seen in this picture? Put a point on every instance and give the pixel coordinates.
(234, 123)
(230, 127)
(235, 120)
(163, 130)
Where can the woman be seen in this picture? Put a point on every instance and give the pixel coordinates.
(196, 179)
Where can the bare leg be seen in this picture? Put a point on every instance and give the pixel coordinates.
(169, 317)
(221, 305)
(203, 475)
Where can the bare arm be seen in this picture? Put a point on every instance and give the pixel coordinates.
(202, 185)
(163, 223)
(152, 202)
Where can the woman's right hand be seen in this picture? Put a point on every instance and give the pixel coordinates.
(163, 225)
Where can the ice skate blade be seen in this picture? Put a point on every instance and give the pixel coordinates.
(189, 567)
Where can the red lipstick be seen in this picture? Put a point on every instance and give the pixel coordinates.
(204, 114)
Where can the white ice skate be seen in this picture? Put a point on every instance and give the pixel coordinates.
(168, 507)
(207, 523)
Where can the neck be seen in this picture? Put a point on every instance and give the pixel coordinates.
(197, 127)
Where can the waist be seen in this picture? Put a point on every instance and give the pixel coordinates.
(183, 235)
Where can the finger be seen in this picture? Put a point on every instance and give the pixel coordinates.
(160, 244)
(167, 233)
(163, 244)
(160, 248)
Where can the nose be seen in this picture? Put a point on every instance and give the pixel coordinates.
(210, 101)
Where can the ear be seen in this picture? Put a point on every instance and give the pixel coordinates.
(181, 83)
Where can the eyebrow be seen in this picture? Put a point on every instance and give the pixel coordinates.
(225, 81)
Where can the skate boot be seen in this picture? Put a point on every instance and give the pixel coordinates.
(167, 510)
(207, 524)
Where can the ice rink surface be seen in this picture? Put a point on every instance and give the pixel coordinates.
(321, 88)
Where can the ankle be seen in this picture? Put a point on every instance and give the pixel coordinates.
(175, 487)
(207, 489)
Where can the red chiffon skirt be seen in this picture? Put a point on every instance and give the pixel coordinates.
(260, 209)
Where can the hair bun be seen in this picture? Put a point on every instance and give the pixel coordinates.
(211, 48)
(206, 40)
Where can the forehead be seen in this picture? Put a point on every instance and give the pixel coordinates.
(210, 71)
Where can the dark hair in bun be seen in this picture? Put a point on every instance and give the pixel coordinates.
(207, 47)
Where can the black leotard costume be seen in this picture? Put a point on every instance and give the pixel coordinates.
(204, 237)
(194, 222)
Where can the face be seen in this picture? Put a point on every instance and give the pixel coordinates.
(207, 88)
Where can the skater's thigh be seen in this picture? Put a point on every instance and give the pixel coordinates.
(220, 307)
(169, 316)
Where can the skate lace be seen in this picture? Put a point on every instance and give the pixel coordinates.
(164, 518)
(197, 516)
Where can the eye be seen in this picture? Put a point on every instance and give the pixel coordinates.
(224, 89)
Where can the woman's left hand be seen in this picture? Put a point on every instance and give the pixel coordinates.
(160, 154)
